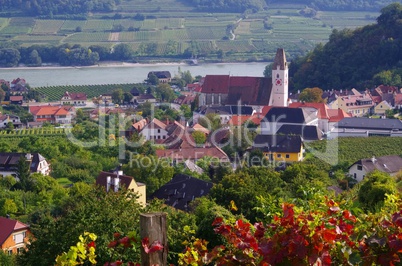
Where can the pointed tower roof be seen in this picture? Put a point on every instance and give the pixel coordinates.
(280, 60)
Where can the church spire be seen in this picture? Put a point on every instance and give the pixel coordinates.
(280, 60)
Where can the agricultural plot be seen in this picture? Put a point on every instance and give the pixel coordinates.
(87, 37)
(177, 35)
(347, 19)
(43, 39)
(127, 23)
(33, 131)
(141, 36)
(18, 26)
(54, 93)
(243, 27)
(235, 46)
(3, 22)
(43, 27)
(71, 25)
(206, 33)
(170, 23)
(98, 25)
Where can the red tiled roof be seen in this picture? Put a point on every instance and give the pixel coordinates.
(216, 84)
(398, 99)
(140, 124)
(336, 115)
(376, 99)
(193, 153)
(238, 120)
(49, 110)
(8, 226)
(16, 98)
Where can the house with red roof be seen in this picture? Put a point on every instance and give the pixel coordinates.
(357, 104)
(52, 114)
(76, 99)
(13, 235)
(154, 130)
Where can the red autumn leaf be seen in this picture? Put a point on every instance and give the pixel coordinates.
(92, 244)
(155, 246)
(217, 221)
(112, 244)
(116, 235)
(329, 235)
(326, 258)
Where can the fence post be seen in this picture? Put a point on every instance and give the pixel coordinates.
(153, 226)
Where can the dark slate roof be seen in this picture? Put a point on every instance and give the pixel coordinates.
(161, 74)
(388, 164)
(181, 190)
(9, 161)
(280, 60)
(286, 115)
(277, 143)
(228, 109)
(370, 123)
(125, 180)
(135, 91)
(309, 132)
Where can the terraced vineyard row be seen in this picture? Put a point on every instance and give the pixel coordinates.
(33, 131)
(54, 93)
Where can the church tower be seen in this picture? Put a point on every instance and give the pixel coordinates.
(279, 92)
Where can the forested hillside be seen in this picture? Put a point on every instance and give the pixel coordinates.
(76, 7)
(359, 58)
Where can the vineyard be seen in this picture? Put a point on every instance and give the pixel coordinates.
(51, 131)
(350, 150)
(54, 93)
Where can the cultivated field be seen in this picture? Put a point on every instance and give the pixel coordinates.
(165, 21)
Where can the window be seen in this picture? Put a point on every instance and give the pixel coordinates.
(10, 252)
(354, 175)
(287, 156)
(279, 155)
(360, 167)
(159, 131)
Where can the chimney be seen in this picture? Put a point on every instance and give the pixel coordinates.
(373, 159)
(28, 156)
(8, 216)
(108, 182)
(116, 184)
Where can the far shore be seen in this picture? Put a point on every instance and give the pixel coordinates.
(116, 64)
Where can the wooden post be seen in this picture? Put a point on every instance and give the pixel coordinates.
(153, 226)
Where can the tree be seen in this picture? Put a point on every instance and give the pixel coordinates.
(372, 191)
(268, 71)
(127, 97)
(34, 59)
(187, 77)
(9, 57)
(199, 137)
(122, 51)
(89, 208)
(23, 175)
(2, 94)
(153, 79)
(117, 96)
(311, 95)
(210, 121)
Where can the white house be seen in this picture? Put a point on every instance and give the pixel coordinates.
(5, 119)
(9, 163)
(388, 164)
(155, 130)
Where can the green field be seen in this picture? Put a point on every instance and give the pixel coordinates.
(170, 20)
(54, 93)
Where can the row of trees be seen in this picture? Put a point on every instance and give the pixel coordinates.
(50, 7)
(359, 58)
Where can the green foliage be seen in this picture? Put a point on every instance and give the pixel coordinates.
(373, 191)
(330, 66)
(199, 137)
(311, 95)
(88, 209)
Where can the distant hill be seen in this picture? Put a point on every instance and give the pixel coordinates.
(359, 58)
(78, 8)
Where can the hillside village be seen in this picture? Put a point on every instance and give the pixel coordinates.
(219, 123)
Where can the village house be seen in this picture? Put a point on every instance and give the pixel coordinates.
(382, 107)
(9, 163)
(390, 164)
(14, 235)
(76, 99)
(52, 114)
(16, 99)
(357, 105)
(163, 76)
(181, 190)
(225, 113)
(13, 119)
(280, 148)
(145, 98)
(94, 114)
(18, 87)
(193, 154)
(116, 180)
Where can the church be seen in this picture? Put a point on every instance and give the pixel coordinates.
(257, 92)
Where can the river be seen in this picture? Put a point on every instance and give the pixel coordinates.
(122, 73)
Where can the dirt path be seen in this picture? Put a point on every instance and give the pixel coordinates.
(114, 36)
